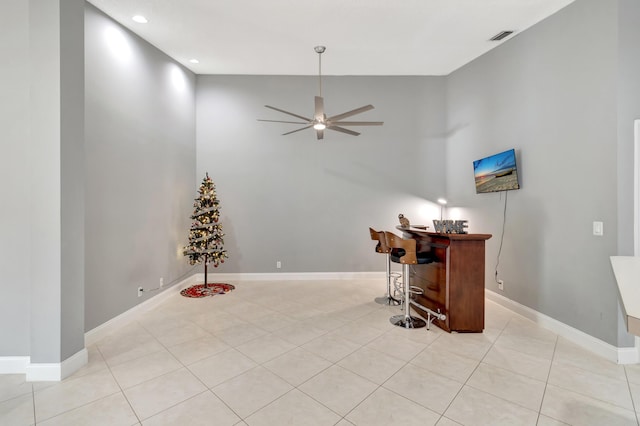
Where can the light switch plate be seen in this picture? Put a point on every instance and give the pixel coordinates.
(598, 228)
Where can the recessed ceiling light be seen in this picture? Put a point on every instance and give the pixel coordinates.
(194, 61)
(140, 19)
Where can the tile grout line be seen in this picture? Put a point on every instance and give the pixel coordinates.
(546, 382)
(332, 364)
(263, 366)
(474, 370)
(382, 384)
(124, 395)
(585, 395)
(71, 378)
(633, 404)
(406, 364)
(297, 387)
(186, 367)
(33, 399)
(207, 388)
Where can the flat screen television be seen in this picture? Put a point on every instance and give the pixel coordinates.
(496, 173)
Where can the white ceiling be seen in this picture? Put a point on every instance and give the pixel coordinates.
(363, 37)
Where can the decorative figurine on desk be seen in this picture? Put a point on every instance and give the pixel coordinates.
(404, 222)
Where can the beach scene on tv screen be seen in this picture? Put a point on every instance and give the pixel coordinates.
(496, 173)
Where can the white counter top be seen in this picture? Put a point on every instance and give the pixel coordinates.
(627, 272)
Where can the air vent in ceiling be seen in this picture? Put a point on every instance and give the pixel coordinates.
(501, 35)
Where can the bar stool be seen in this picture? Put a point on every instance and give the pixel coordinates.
(382, 247)
(404, 252)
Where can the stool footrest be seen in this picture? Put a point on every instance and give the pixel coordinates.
(416, 290)
(431, 315)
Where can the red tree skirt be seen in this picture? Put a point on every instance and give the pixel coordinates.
(199, 290)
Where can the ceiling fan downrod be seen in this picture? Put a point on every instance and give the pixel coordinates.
(320, 50)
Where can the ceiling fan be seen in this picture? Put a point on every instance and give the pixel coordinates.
(320, 121)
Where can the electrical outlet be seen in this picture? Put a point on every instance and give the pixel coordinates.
(161, 282)
(278, 264)
(140, 290)
(501, 285)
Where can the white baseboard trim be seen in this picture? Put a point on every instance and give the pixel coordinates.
(593, 344)
(103, 330)
(628, 355)
(74, 363)
(292, 276)
(13, 364)
(56, 371)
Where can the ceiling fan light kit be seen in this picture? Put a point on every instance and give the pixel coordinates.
(320, 121)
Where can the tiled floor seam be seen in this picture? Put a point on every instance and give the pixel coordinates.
(546, 382)
(310, 396)
(186, 367)
(389, 378)
(22, 395)
(74, 408)
(33, 401)
(474, 370)
(633, 403)
(96, 345)
(124, 395)
(355, 406)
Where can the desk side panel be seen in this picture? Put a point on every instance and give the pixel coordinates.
(466, 285)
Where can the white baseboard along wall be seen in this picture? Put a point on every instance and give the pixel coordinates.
(597, 346)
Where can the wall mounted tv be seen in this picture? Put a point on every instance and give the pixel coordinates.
(496, 173)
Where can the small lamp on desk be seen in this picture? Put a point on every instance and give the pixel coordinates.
(442, 203)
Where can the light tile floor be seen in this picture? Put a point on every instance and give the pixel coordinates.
(324, 353)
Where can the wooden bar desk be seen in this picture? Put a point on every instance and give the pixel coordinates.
(454, 283)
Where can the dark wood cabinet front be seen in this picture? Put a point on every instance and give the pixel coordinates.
(453, 283)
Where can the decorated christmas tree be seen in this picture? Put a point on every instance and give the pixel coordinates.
(205, 236)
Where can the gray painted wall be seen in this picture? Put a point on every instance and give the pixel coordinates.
(309, 203)
(42, 93)
(56, 107)
(628, 111)
(15, 243)
(44, 200)
(551, 93)
(140, 160)
(72, 176)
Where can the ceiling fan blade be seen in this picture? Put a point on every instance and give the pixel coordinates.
(290, 113)
(350, 113)
(320, 134)
(319, 114)
(357, 123)
(343, 130)
(280, 121)
(297, 130)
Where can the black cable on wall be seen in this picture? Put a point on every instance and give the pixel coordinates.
(504, 221)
